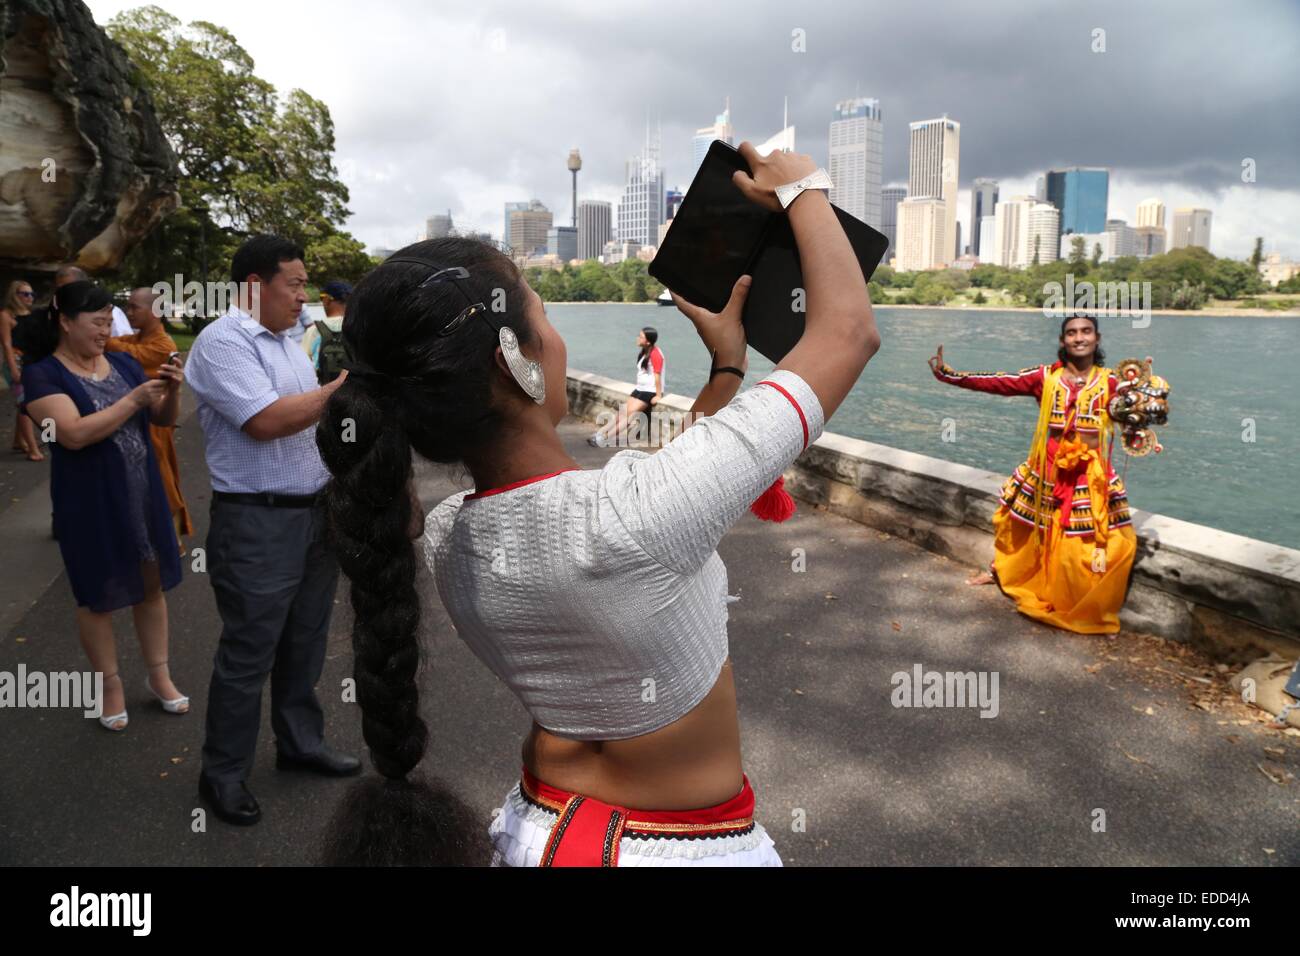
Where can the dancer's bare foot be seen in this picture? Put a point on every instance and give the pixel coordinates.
(983, 577)
(35, 456)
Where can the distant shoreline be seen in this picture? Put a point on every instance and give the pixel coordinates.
(1229, 313)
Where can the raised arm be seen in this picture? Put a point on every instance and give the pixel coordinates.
(840, 334)
(1028, 381)
(679, 502)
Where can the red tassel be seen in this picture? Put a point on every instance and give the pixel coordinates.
(775, 504)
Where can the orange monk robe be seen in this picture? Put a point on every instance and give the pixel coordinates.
(151, 351)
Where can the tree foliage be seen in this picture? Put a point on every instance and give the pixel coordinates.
(248, 162)
(626, 281)
(1180, 279)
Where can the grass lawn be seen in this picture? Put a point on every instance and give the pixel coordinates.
(180, 335)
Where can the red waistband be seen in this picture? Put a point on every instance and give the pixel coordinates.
(731, 816)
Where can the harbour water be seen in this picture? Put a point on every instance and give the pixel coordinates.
(1231, 445)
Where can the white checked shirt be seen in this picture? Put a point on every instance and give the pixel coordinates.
(237, 367)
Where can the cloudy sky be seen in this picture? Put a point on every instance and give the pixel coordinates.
(465, 105)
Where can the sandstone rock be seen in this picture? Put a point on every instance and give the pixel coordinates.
(85, 171)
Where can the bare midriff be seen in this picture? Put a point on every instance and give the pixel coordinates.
(692, 763)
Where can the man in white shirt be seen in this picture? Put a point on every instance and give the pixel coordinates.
(271, 569)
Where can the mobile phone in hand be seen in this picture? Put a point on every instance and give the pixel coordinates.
(174, 359)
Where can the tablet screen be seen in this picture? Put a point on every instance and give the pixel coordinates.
(713, 234)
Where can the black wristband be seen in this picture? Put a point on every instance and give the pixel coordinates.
(714, 370)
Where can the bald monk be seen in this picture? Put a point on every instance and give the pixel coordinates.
(150, 346)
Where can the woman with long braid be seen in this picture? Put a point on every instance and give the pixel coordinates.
(1064, 542)
(597, 596)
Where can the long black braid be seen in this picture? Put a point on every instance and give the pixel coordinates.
(430, 393)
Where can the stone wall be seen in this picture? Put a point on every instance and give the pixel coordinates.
(1231, 595)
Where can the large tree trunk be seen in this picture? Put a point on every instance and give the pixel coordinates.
(85, 171)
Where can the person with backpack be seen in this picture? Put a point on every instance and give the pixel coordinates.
(323, 341)
(16, 313)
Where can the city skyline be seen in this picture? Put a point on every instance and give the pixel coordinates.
(516, 120)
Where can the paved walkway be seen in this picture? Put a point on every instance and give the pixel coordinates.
(1083, 723)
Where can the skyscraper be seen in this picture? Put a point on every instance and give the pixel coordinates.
(1151, 212)
(528, 228)
(1191, 228)
(593, 228)
(641, 209)
(1149, 241)
(511, 207)
(857, 141)
(721, 129)
(923, 242)
(988, 234)
(1043, 241)
(890, 197)
(1124, 241)
(562, 241)
(438, 226)
(1011, 231)
(933, 157)
(672, 202)
(1080, 193)
(983, 197)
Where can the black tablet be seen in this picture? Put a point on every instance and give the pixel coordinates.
(713, 235)
(718, 235)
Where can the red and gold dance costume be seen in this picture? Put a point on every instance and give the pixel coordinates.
(1064, 540)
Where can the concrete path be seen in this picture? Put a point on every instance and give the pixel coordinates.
(842, 776)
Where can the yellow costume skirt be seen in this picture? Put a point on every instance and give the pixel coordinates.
(1063, 590)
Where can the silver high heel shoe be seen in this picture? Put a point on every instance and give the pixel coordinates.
(177, 705)
(108, 722)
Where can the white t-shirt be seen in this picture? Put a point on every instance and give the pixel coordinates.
(120, 325)
(645, 376)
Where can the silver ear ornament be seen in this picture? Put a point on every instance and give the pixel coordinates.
(526, 372)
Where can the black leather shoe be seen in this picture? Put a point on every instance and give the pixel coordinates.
(327, 761)
(231, 802)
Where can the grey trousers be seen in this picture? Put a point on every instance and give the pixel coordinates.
(274, 580)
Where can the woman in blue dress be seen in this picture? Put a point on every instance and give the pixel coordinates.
(111, 514)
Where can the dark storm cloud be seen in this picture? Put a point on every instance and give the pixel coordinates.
(467, 104)
(1183, 90)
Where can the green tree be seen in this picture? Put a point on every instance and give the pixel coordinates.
(337, 256)
(246, 162)
(1078, 250)
(1230, 279)
(1096, 254)
(1187, 296)
(988, 276)
(931, 289)
(1257, 256)
(552, 285)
